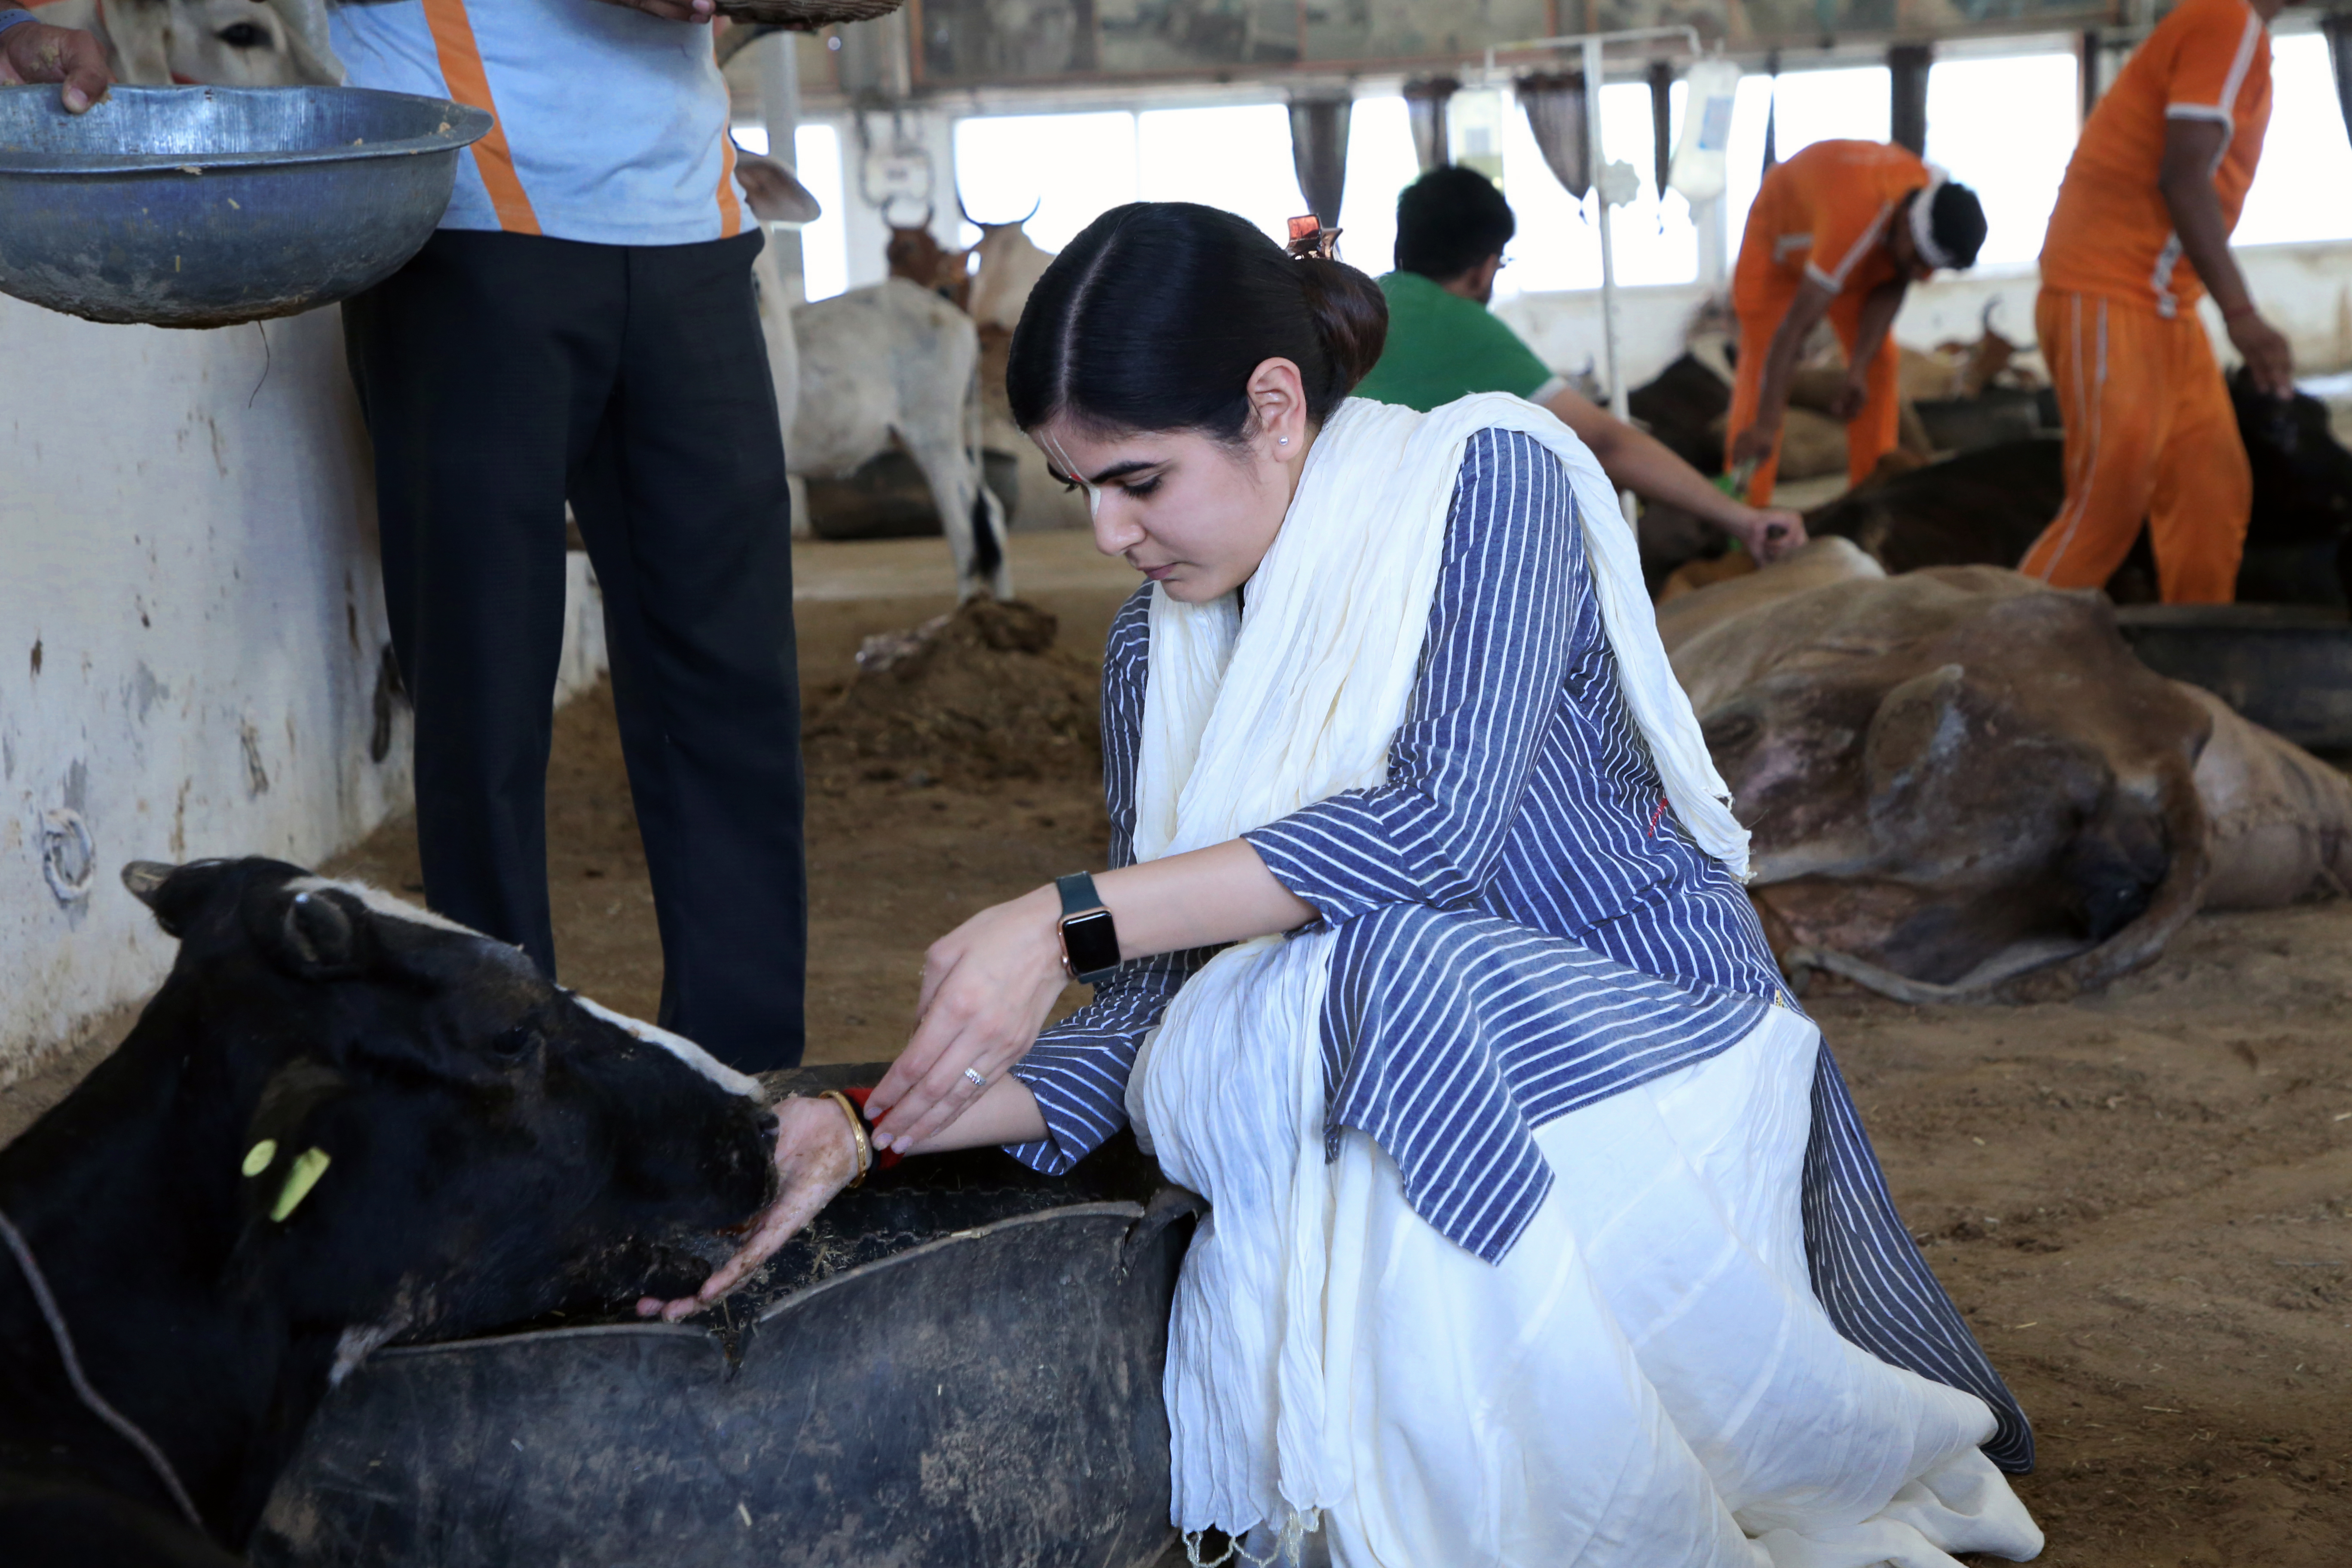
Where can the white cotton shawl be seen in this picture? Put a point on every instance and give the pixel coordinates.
(1247, 718)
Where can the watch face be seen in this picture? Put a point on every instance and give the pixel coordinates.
(1090, 942)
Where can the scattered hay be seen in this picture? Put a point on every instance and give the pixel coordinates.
(983, 694)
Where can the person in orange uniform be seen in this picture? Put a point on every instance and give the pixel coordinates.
(1840, 230)
(2158, 179)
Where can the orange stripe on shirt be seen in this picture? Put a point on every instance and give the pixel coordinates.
(469, 84)
(731, 205)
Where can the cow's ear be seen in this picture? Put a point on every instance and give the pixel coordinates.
(776, 192)
(319, 934)
(175, 892)
(1918, 727)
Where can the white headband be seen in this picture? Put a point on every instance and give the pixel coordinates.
(1923, 231)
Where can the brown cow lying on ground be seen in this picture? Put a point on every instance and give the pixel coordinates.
(1956, 777)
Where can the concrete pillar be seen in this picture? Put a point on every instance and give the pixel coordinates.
(776, 58)
(1906, 69)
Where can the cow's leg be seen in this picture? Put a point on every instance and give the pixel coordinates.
(480, 367)
(972, 519)
(683, 502)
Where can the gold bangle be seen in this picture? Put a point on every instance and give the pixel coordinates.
(857, 1133)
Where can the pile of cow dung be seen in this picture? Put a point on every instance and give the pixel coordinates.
(976, 696)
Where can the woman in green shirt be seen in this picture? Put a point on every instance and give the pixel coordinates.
(1443, 343)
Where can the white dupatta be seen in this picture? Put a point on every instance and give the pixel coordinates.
(1247, 718)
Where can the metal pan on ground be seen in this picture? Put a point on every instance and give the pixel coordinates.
(960, 1363)
(2288, 667)
(206, 207)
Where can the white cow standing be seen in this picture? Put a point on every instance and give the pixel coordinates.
(892, 364)
(216, 43)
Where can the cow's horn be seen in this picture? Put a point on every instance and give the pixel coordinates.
(144, 878)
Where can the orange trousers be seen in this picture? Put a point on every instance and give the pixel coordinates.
(1873, 432)
(2150, 436)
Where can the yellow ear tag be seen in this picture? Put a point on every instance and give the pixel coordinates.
(308, 1166)
(258, 1157)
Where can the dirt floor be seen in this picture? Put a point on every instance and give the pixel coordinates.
(2143, 1201)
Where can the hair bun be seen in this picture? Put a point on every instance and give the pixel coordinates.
(1351, 318)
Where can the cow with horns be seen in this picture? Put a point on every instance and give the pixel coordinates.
(342, 1121)
(889, 365)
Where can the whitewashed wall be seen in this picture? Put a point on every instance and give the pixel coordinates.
(191, 631)
(2304, 289)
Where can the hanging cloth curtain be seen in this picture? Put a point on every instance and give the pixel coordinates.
(1424, 104)
(1772, 113)
(1318, 153)
(1661, 125)
(1554, 101)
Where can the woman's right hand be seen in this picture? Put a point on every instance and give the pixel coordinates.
(816, 1157)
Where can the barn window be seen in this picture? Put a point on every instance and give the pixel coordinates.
(2306, 164)
(1073, 167)
(2006, 127)
(824, 243)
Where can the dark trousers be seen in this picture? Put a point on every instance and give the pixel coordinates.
(499, 375)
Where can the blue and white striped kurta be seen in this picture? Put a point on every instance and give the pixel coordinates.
(1522, 927)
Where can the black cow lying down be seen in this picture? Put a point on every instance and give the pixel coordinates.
(341, 1122)
(1986, 508)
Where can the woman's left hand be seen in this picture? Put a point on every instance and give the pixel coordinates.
(988, 987)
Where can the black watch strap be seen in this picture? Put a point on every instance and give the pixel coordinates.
(1089, 936)
(1079, 893)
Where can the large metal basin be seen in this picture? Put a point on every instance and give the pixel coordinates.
(204, 207)
(2288, 667)
(959, 1364)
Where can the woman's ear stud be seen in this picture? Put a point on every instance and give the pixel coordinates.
(1282, 441)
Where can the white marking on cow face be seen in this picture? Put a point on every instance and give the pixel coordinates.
(678, 1045)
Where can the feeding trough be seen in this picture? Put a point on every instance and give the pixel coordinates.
(957, 1364)
(210, 206)
(2288, 667)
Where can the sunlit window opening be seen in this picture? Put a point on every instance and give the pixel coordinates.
(1071, 167)
(824, 243)
(2303, 188)
(1558, 242)
(2006, 128)
(1381, 163)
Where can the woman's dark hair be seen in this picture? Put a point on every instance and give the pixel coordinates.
(1154, 317)
(1450, 220)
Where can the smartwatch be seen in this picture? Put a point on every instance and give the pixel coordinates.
(1090, 940)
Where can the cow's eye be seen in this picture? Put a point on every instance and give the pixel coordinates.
(513, 1044)
(244, 36)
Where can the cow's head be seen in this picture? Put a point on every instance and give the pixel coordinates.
(425, 1136)
(222, 43)
(1954, 776)
(2302, 475)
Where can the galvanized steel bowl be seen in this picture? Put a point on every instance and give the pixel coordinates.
(204, 207)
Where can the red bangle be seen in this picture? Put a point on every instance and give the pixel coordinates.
(883, 1158)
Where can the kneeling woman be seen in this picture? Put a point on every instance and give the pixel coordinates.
(1543, 1229)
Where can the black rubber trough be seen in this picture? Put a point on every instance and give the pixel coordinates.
(2288, 667)
(957, 1364)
